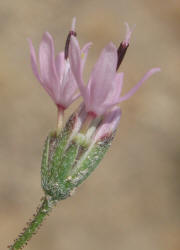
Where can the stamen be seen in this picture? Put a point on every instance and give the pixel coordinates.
(71, 33)
(121, 53)
(124, 44)
(66, 50)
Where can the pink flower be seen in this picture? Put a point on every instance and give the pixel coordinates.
(103, 90)
(54, 73)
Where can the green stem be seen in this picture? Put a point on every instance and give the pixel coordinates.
(33, 225)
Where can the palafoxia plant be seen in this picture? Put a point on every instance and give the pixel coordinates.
(73, 151)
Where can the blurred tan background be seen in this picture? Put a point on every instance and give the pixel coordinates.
(132, 201)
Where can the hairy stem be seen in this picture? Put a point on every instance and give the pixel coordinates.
(33, 225)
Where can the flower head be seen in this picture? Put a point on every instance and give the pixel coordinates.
(55, 74)
(103, 90)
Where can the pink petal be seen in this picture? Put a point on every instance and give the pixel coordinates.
(103, 73)
(100, 107)
(116, 88)
(34, 60)
(76, 63)
(136, 87)
(35, 69)
(97, 108)
(109, 123)
(60, 64)
(75, 97)
(46, 59)
(68, 88)
(84, 52)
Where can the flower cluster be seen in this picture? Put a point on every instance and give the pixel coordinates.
(62, 76)
(75, 150)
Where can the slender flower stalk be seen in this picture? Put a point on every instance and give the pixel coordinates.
(72, 153)
(33, 225)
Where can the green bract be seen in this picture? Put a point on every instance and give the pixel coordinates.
(67, 161)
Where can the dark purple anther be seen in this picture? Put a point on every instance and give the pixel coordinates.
(121, 53)
(71, 33)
